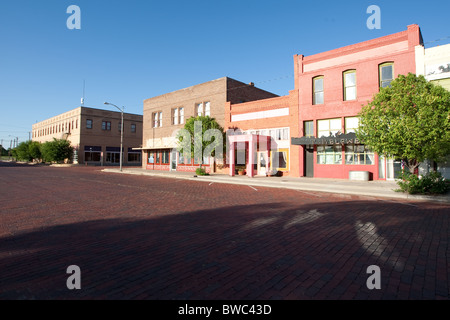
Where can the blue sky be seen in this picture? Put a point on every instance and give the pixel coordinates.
(128, 51)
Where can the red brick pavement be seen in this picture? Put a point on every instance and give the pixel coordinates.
(141, 237)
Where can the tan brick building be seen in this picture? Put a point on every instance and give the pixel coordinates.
(95, 135)
(164, 115)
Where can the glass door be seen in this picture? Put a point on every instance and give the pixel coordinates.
(173, 160)
(262, 163)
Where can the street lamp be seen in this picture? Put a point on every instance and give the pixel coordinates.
(121, 132)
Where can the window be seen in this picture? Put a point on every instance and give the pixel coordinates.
(178, 116)
(106, 125)
(351, 124)
(158, 157)
(165, 157)
(92, 154)
(350, 85)
(181, 115)
(359, 154)
(280, 159)
(199, 109)
(318, 90)
(207, 109)
(134, 155)
(133, 128)
(113, 157)
(88, 124)
(203, 109)
(326, 128)
(180, 158)
(308, 128)
(386, 74)
(120, 126)
(151, 157)
(175, 119)
(329, 154)
(157, 119)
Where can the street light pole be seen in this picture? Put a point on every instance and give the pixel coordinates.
(121, 132)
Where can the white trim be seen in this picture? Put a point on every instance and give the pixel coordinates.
(260, 115)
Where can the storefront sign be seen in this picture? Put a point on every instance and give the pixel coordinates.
(349, 138)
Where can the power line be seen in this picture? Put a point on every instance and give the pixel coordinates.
(437, 40)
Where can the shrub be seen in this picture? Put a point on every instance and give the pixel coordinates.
(201, 172)
(56, 151)
(431, 183)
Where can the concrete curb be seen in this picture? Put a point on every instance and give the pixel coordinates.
(372, 192)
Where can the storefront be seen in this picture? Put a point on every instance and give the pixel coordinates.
(172, 160)
(257, 155)
(343, 156)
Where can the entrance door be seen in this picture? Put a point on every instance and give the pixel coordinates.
(173, 160)
(262, 164)
(393, 169)
(309, 162)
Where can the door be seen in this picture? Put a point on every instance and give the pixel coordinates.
(262, 164)
(173, 160)
(393, 169)
(309, 162)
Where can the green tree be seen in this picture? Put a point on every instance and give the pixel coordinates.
(201, 134)
(409, 120)
(34, 149)
(22, 151)
(56, 151)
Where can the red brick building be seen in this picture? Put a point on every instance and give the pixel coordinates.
(332, 87)
(262, 135)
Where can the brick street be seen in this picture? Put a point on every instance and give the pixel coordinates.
(141, 237)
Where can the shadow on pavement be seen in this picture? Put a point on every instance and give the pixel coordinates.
(270, 251)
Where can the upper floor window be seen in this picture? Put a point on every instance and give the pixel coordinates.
(199, 109)
(203, 109)
(318, 90)
(133, 128)
(386, 74)
(178, 116)
(157, 119)
(350, 85)
(207, 109)
(106, 125)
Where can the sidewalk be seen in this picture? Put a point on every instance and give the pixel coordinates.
(384, 189)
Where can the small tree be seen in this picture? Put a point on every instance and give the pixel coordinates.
(22, 151)
(409, 120)
(202, 137)
(34, 150)
(56, 151)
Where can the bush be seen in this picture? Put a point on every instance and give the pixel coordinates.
(431, 183)
(201, 172)
(56, 151)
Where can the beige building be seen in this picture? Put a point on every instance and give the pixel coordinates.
(95, 135)
(434, 64)
(164, 115)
